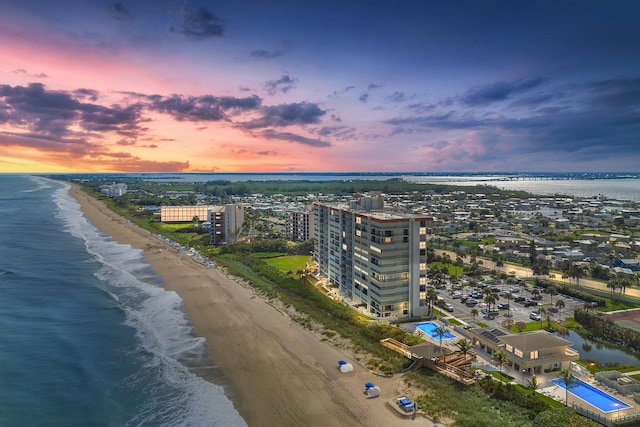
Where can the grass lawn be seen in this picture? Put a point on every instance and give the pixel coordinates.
(291, 263)
(454, 270)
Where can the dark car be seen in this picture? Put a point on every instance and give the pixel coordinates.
(530, 303)
(503, 305)
(519, 299)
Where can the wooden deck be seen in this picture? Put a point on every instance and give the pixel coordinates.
(448, 366)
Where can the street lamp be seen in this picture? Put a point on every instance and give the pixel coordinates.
(617, 405)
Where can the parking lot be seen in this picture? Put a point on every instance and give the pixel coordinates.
(520, 307)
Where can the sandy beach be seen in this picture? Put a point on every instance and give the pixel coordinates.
(276, 372)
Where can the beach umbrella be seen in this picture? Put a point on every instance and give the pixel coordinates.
(368, 385)
(341, 362)
(373, 391)
(347, 367)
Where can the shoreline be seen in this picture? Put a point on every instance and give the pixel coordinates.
(274, 371)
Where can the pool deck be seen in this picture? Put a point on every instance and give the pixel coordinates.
(549, 389)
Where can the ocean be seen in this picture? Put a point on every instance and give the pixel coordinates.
(88, 336)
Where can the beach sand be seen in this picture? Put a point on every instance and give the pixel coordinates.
(276, 372)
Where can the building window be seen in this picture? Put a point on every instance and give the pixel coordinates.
(518, 352)
(534, 354)
(405, 276)
(509, 348)
(423, 245)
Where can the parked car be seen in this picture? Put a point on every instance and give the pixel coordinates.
(519, 299)
(534, 316)
(530, 303)
(456, 295)
(471, 302)
(503, 305)
(448, 307)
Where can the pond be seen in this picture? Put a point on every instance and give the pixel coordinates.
(601, 353)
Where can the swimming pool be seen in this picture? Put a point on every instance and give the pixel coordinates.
(598, 398)
(429, 328)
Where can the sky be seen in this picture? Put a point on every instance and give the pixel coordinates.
(330, 86)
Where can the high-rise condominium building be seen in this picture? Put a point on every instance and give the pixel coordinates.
(376, 259)
(226, 223)
(300, 225)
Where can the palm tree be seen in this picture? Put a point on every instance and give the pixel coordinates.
(440, 332)
(534, 293)
(545, 314)
(560, 305)
(500, 358)
(465, 346)
(432, 297)
(562, 331)
(567, 377)
(490, 299)
(533, 384)
(474, 313)
(508, 296)
(552, 291)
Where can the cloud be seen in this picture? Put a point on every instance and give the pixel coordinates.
(584, 123)
(291, 137)
(616, 93)
(396, 97)
(365, 96)
(496, 92)
(119, 12)
(337, 93)
(203, 108)
(25, 73)
(90, 94)
(302, 113)
(197, 24)
(284, 84)
(53, 113)
(267, 54)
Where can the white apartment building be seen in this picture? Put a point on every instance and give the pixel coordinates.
(376, 259)
(300, 225)
(115, 190)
